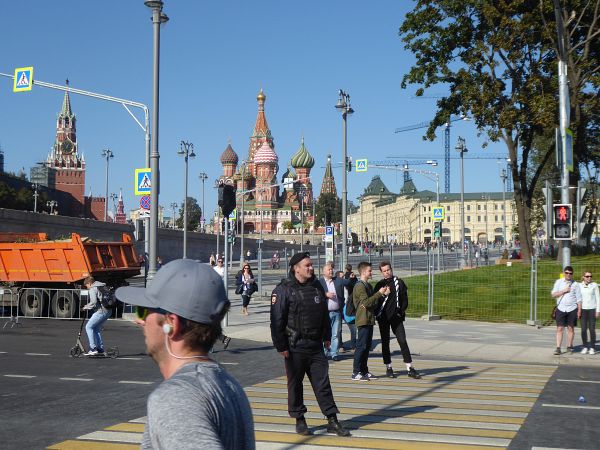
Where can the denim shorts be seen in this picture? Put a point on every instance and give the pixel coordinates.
(566, 318)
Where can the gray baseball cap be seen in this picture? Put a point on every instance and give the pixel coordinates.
(190, 289)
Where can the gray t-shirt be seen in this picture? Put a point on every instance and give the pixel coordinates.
(200, 407)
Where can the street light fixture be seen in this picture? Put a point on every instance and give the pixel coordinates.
(36, 194)
(503, 177)
(158, 17)
(52, 204)
(203, 177)
(462, 149)
(187, 151)
(173, 207)
(106, 153)
(343, 105)
(301, 196)
(242, 217)
(114, 197)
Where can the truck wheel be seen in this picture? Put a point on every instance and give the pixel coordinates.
(33, 302)
(64, 304)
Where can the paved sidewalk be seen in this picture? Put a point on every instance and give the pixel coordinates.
(452, 339)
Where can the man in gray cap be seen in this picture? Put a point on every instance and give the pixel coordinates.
(199, 405)
(299, 328)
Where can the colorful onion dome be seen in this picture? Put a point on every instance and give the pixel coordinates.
(229, 156)
(265, 155)
(289, 173)
(302, 159)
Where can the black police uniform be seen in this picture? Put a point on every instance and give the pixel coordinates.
(300, 324)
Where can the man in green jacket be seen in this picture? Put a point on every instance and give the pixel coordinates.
(365, 302)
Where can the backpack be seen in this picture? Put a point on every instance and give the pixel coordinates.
(106, 296)
(349, 308)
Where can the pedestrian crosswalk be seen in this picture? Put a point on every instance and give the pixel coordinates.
(455, 405)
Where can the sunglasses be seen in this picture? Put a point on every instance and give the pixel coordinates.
(246, 267)
(141, 312)
(568, 273)
(587, 276)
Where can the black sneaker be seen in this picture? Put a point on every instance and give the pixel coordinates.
(390, 373)
(570, 349)
(412, 373)
(557, 351)
(333, 426)
(226, 342)
(301, 426)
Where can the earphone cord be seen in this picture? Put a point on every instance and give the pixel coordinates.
(206, 358)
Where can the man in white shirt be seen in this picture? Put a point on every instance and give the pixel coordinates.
(334, 293)
(590, 310)
(219, 268)
(568, 308)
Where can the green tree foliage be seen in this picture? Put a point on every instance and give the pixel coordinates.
(328, 210)
(288, 225)
(498, 60)
(194, 213)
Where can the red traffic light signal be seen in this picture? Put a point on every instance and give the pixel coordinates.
(562, 221)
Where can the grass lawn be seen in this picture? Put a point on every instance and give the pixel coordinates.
(493, 293)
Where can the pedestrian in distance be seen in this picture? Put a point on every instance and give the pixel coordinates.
(391, 314)
(100, 314)
(334, 291)
(198, 405)
(220, 269)
(365, 301)
(299, 329)
(212, 260)
(590, 310)
(245, 286)
(568, 308)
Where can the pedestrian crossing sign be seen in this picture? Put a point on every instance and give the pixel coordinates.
(143, 181)
(233, 215)
(361, 165)
(23, 80)
(438, 213)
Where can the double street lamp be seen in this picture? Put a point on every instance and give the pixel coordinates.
(187, 151)
(106, 153)
(173, 207)
(461, 147)
(52, 204)
(343, 105)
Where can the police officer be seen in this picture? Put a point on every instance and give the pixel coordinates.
(299, 328)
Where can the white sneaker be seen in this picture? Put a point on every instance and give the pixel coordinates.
(592, 351)
(584, 351)
(91, 352)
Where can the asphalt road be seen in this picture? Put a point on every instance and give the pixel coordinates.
(46, 396)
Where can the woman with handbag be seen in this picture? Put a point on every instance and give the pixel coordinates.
(245, 286)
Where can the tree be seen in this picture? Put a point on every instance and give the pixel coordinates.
(194, 213)
(499, 62)
(328, 210)
(288, 225)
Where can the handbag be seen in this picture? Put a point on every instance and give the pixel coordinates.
(553, 314)
(239, 289)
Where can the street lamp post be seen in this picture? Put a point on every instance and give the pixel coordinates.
(114, 197)
(242, 218)
(173, 207)
(187, 151)
(203, 177)
(35, 196)
(486, 198)
(462, 149)
(52, 204)
(106, 153)
(158, 17)
(343, 104)
(503, 177)
(301, 195)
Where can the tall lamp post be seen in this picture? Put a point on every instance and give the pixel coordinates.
(114, 197)
(203, 177)
(173, 207)
(52, 204)
(158, 17)
(301, 195)
(343, 105)
(462, 149)
(503, 177)
(242, 217)
(36, 194)
(186, 150)
(106, 153)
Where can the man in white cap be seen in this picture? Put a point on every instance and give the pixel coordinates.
(199, 405)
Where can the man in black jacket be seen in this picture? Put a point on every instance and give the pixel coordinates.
(299, 329)
(390, 315)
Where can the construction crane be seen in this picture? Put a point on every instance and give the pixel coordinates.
(446, 145)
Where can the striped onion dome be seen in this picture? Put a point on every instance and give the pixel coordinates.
(302, 159)
(229, 156)
(265, 155)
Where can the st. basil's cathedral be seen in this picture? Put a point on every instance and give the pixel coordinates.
(268, 203)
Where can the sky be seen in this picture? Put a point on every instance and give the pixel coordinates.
(215, 57)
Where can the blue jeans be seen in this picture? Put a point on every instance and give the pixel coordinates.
(335, 321)
(92, 328)
(363, 347)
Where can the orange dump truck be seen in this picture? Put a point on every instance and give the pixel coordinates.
(46, 275)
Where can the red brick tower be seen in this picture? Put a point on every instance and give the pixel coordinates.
(260, 134)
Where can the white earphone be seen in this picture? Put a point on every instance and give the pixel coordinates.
(167, 328)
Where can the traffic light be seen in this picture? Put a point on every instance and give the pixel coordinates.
(349, 164)
(226, 198)
(437, 229)
(562, 221)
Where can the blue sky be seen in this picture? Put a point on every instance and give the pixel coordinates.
(215, 56)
